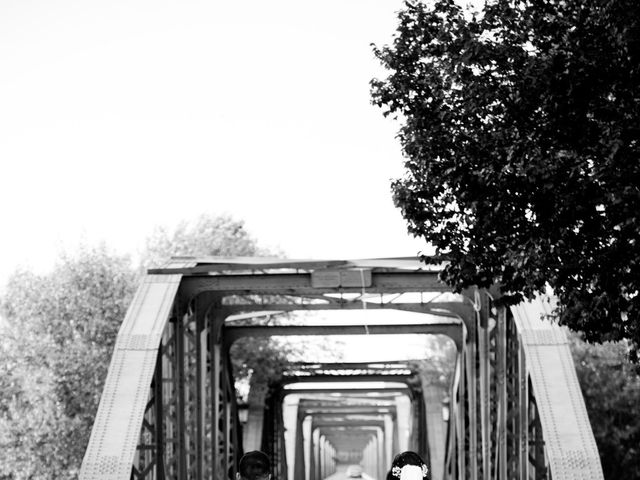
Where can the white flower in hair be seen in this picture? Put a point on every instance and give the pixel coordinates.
(411, 472)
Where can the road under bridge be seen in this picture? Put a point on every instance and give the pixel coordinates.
(169, 409)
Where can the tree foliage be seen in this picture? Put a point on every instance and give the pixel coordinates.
(611, 389)
(58, 334)
(207, 235)
(60, 331)
(520, 127)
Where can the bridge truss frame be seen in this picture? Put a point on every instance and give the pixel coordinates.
(168, 408)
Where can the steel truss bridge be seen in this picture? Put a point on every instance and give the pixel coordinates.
(169, 408)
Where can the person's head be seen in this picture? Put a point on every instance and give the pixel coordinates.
(254, 466)
(408, 466)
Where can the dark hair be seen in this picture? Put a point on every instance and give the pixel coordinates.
(405, 458)
(254, 465)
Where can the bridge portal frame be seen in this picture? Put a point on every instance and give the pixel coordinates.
(168, 407)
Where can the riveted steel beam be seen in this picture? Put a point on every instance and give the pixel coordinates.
(348, 424)
(346, 402)
(345, 378)
(344, 410)
(451, 329)
(401, 390)
(441, 309)
(301, 284)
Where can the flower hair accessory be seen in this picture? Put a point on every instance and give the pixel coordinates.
(410, 472)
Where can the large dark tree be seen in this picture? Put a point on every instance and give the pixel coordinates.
(521, 131)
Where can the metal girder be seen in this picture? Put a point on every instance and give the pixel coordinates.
(116, 429)
(569, 445)
(346, 403)
(342, 434)
(331, 399)
(356, 432)
(215, 264)
(339, 417)
(351, 369)
(391, 364)
(301, 284)
(355, 390)
(189, 265)
(347, 411)
(451, 329)
(347, 424)
(440, 309)
(344, 378)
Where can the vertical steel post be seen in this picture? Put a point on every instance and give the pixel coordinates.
(484, 384)
(208, 392)
(299, 465)
(159, 418)
(512, 387)
(379, 438)
(472, 403)
(312, 454)
(538, 453)
(235, 422)
(204, 400)
(199, 327)
(228, 447)
(180, 404)
(190, 345)
(216, 406)
(170, 397)
(501, 375)
(523, 424)
(462, 413)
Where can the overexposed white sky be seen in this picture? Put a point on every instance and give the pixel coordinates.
(120, 115)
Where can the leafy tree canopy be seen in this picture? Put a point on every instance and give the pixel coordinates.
(207, 235)
(611, 389)
(58, 334)
(520, 127)
(54, 356)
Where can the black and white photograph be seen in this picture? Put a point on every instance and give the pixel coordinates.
(301, 240)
